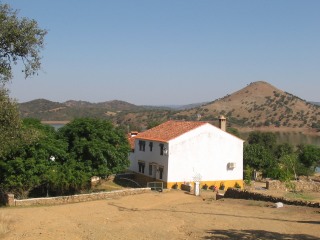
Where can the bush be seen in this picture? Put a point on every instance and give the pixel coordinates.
(248, 175)
(222, 186)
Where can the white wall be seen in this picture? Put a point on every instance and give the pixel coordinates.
(149, 157)
(206, 151)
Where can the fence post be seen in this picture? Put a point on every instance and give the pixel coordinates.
(10, 199)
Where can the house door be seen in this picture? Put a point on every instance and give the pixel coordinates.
(154, 172)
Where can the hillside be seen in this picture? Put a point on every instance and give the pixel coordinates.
(260, 104)
(46, 110)
(38, 106)
(111, 105)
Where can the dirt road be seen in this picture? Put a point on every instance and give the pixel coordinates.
(171, 215)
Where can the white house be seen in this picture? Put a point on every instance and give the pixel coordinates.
(183, 151)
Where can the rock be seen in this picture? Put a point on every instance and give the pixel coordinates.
(279, 205)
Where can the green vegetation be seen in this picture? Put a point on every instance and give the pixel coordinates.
(278, 161)
(20, 41)
(10, 124)
(300, 196)
(35, 160)
(59, 163)
(248, 173)
(98, 144)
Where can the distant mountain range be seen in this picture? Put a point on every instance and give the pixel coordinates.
(258, 105)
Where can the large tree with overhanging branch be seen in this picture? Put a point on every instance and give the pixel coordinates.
(21, 40)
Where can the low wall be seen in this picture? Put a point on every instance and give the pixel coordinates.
(74, 198)
(308, 186)
(244, 194)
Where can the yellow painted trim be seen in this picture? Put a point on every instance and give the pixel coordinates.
(227, 183)
(169, 185)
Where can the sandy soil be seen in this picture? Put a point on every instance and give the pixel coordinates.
(169, 215)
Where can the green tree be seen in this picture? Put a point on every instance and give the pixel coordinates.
(98, 144)
(69, 177)
(19, 175)
(20, 40)
(233, 131)
(266, 139)
(46, 145)
(29, 166)
(248, 174)
(257, 157)
(10, 124)
(288, 165)
(309, 156)
(283, 149)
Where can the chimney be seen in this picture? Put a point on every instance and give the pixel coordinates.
(133, 133)
(222, 123)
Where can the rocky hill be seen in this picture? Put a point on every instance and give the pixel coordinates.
(260, 104)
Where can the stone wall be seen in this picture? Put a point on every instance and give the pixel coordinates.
(305, 186)
(75, 198)
(244, 194)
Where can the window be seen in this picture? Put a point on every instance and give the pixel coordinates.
(142, 145)
(160, 172)
(151, 146)
(161, 148)
(141, 167)
(150, 169)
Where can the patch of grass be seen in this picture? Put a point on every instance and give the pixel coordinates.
(300, 196)
(5, 222)
(107, 186)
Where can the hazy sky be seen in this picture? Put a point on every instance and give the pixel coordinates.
(171, 51)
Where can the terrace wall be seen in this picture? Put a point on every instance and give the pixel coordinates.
(244, 194)
(73, 198)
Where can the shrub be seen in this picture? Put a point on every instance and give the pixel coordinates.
(248, 175)
(205, 186)
(175, 186)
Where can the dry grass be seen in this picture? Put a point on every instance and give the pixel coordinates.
(107, 185)
(5, 222)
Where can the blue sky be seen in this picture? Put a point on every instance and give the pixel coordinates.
(160, 52)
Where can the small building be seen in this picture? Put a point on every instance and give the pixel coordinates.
(180, 152)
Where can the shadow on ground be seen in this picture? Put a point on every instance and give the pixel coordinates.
(255, 234)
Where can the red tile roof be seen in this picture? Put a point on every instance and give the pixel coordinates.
(169, 130)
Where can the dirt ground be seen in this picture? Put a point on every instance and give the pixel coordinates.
(168, 215)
